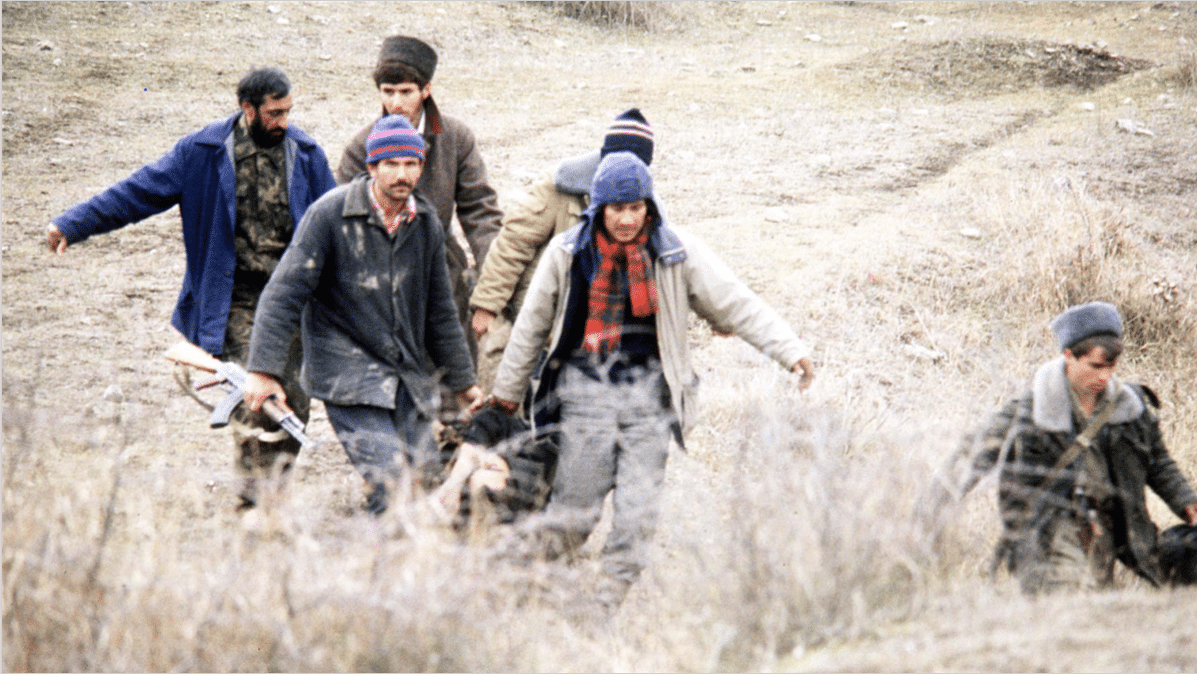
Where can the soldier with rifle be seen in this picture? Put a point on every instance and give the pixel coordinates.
(241, 183)
(1075, 453)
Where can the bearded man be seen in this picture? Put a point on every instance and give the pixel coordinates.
(241, 185)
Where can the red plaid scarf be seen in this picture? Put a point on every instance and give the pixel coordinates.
(604, 322)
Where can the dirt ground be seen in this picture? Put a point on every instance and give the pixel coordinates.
(808, 143)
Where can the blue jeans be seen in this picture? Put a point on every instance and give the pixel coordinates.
(383, 443)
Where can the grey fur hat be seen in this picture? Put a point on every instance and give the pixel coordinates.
(1086, 320)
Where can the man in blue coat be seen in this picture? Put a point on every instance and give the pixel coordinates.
(241, 184)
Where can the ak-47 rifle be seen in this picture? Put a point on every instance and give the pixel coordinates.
(233, 377)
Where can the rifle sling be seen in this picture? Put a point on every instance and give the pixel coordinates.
(1083, 440)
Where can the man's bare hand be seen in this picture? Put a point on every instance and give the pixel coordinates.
(505, 406)
(55, 239)
(482, 321)
(470, 399)
(1191, 513)
(259, 387)
(808, 373)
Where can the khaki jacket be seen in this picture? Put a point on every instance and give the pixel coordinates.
(689, 278)
(543, 213)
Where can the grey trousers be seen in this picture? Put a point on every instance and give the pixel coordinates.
(1079, 555)
(615, 436)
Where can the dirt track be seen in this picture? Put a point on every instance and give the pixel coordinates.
(809, 164)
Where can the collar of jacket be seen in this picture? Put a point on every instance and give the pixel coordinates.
(357, 201)
(218, 134)
(574, 175)
(432, 119)
(1052, 406)
(662, 242)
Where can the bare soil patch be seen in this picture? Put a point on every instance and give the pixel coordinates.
(991, 66)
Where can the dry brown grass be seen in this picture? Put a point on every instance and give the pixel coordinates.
(647, 16)
(1186, 69)
(786, 539)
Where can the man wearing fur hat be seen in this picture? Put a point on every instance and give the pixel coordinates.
(454, 179)
(602, 334)
(366, 274)
(552, 206)
(1075, 453)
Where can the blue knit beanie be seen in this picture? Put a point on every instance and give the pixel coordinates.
(630, 132)
(393, 136)
(621, 178)
(1086, 320)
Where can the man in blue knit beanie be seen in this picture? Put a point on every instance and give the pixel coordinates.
(550, 207)
(610, 305)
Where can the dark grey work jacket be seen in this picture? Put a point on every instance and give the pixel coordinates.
(1039, 428)
(374, 306)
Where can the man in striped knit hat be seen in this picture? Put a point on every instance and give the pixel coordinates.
(552, 206)
(366, 272)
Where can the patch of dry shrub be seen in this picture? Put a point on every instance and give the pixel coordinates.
(1186, 69)
(817, 544)
(1055, 247)
(647, 16)
(993, 65)
(98, 577)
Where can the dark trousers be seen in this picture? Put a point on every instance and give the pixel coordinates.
(383, 444)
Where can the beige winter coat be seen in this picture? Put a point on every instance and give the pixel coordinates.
(689, 278)
(505, 275)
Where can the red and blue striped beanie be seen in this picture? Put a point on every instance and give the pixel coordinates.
(393, 136)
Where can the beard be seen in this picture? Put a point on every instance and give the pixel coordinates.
(263, 138)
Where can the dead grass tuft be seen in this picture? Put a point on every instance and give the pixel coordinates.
(1055, 247)
(1186, 70)
(646, 16)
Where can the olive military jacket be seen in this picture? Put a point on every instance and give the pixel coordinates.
(1026, 439)
(546, 211)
